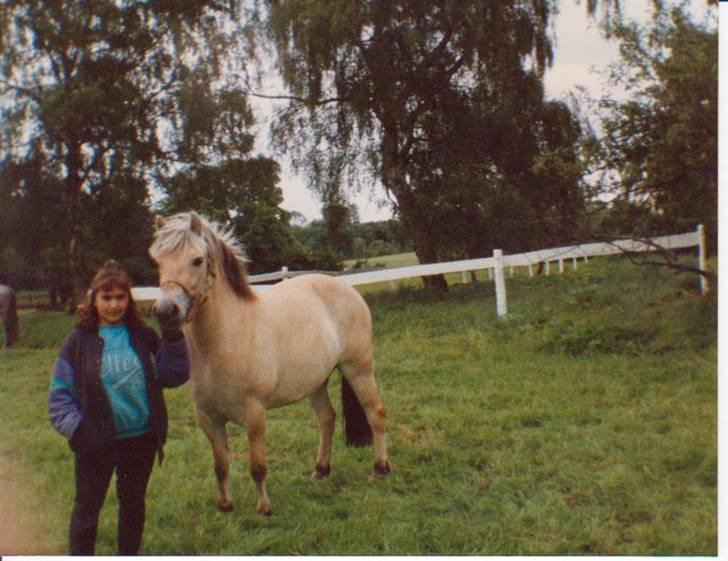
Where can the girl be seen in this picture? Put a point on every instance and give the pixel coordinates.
(106, 399)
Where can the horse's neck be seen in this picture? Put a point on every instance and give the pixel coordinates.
(211, 325)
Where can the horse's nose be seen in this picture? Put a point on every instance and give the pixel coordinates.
(166, 310)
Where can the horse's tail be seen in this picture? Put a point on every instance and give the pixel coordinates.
(357, 429)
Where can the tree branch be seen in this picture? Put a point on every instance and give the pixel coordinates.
(299, 99)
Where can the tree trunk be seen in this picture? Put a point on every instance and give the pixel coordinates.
(414, 221)
(73, 181)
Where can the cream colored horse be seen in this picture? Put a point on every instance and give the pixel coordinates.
(254, 351)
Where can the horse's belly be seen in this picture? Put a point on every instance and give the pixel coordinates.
(299, 381)
(220, 391)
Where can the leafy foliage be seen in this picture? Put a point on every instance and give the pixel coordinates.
(440, 101)
(662, 140)
(98, 98)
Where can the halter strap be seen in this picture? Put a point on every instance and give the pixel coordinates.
(195, 301)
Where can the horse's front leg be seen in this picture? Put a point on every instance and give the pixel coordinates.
(217, 435)
(255, 426)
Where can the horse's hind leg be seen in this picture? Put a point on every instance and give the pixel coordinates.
(326, 420)
(361, 377)
(217, 435)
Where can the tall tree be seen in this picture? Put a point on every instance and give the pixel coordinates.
(375, 85)
(104, 94)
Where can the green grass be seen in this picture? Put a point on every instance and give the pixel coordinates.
(583, 424)
(387, 261)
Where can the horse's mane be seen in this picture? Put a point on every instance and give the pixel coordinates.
(217, 242)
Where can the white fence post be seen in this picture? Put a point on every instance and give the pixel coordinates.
(702, 259)
(500, 284)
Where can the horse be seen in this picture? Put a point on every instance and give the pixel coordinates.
(255, 350)
(9, 314)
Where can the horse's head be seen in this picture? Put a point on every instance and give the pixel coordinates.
(184, 256)
(190, 253)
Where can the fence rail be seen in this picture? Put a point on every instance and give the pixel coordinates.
(496, 264)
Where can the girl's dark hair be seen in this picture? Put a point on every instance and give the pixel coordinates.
(110, 275)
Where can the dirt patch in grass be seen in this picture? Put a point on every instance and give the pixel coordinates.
(20, 528)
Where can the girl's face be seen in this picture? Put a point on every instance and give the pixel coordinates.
(111, 306)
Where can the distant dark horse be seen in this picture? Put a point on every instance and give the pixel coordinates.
(9, 314)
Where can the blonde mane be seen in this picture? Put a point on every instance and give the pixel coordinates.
(206, 236)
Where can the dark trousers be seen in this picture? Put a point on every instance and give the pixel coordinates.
(133, 461)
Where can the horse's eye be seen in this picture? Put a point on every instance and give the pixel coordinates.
(197, 262)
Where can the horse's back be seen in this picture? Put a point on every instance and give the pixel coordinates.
(321, 299)
(336, 295)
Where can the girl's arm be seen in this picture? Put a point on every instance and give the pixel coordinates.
(64, 409)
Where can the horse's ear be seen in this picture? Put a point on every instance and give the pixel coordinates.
(195, 223)
(159, 222)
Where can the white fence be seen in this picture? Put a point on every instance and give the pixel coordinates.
(496, 264)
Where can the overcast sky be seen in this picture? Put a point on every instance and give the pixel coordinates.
(580, 51)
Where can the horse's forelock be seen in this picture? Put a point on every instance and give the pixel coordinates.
(174, 234)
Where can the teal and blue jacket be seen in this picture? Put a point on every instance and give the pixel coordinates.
(107, 384)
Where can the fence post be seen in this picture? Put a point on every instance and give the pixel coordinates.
(500, 284)
(702, 259)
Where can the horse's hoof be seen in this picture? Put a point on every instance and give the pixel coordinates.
(264, 509)
(320, 472)
(381, 470)
(225, 507)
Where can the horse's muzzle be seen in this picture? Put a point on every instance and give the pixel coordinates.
(166, 311)
(171, 310)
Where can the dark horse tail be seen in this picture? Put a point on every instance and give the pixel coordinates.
(357, 429)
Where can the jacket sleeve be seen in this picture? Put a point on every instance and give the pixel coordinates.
(64, 408)
(173, 363)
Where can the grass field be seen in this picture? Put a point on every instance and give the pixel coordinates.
(388, 261)
(583, 424)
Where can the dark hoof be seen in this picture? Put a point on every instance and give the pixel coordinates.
(320, 472)
(225, 507)
(264, 507)
(381, 470)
